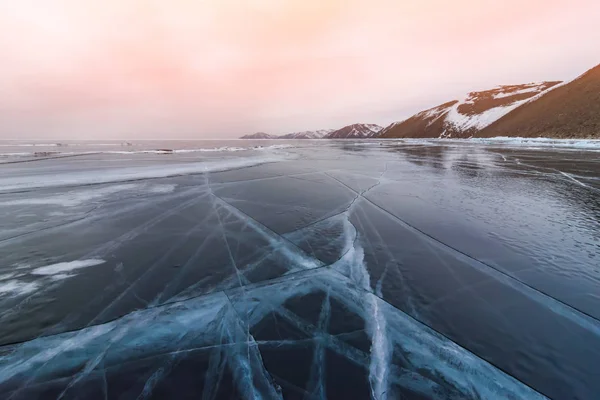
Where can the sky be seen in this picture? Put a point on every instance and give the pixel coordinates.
(194, 69)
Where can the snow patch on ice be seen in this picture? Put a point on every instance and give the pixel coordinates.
(5, 277)
(71, 199)
(75, 178)
(29, 144)
(273, 147)
(184, 151)
(209, 150)
(366, 144)
(66, 267)
(15, 154)
(77, 198)
(16, 287)
(60, 277)
(223, 149)
(161, 189)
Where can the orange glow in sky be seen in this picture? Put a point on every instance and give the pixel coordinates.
(74, 69)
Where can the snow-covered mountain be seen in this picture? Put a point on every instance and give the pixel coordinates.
(259, 135)
(355, 131)
(307, 134)
(571, 110)
(467, 117)
(547, 109)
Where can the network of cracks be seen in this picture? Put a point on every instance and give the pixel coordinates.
(253, 289)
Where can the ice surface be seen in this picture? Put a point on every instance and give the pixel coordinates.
(204, 150)
(532, 143)
(393, 270)
(390, 332)
(588, 144)
(212, 324)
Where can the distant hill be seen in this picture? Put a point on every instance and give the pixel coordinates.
(259, 135)
(569, 111)
(307, 134)
(355, 131)
(467, 117)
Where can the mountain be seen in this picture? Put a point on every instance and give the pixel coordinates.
(467, 117)
(259, 135)
(307, 134)
(355, 131)
(569, 111)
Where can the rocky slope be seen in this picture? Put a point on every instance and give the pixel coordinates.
(569, 111)
(467, 117)
(355, 131)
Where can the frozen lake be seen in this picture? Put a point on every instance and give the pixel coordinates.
(300, 270)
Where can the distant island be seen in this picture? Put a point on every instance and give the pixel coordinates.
(552, 109)
(355, 131)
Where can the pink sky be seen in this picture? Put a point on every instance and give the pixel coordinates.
(126, 69)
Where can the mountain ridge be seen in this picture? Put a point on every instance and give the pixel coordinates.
(552, 109)
(319, 134)
(355, 131)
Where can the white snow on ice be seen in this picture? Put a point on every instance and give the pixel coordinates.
(75, 178)
(160, 189)
(159, 151)
(79, 197)
(60, 277)
(71, 199)
(273, 147)
(5, 277)
(9, 144)
(16, 287)
(66, 267)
